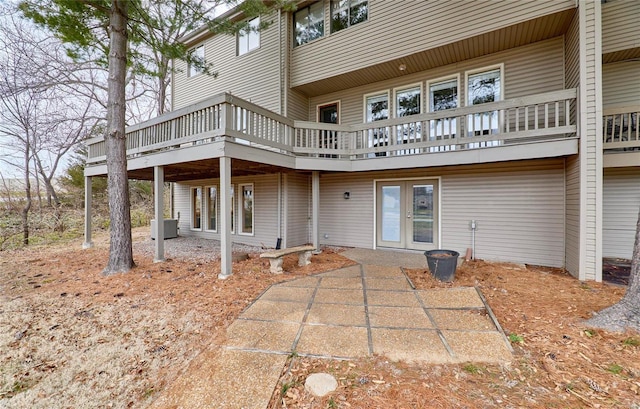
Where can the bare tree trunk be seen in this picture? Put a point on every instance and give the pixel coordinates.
(626, 313)
(27, 188)
(120, 249)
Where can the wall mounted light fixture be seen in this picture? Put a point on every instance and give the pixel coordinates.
(347, 195)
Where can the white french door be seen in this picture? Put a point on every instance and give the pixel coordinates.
(407, 214)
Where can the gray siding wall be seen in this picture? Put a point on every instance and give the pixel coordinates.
(254, 76)
(620, 28)
(621, 83)
(519, 208)
(265, 208)
(395, 31)
(528, 70)
(620, 211)
(298, 211)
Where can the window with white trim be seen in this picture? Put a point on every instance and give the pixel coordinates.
(377, 109)
(196, 208)
(249, 38)
(233, 206)
(212, 208)
(346, 13)
(198, 54)
(308, 23)
(484, 87)
(246, 209)
(443, 95)
(408, 102)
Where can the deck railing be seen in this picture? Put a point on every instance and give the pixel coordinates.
(621, 131)
(519, 120)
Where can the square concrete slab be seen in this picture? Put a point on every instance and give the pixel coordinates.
(299, 294)
(469, 320)
(392, 298)
(342, 283)
(336, 314)
(311, 282)
(387, 283)
(399, 317)
(409, 345)
(382, 272)
(335, 296)
(352, 271)
(347, 342)
(276, 311)
(463, 297)
(478, 346)
(270, 336)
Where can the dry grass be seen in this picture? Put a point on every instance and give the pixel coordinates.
(71, 338)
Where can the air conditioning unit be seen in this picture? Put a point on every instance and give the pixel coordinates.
(170, 229)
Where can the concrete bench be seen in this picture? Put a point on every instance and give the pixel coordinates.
(275, 257)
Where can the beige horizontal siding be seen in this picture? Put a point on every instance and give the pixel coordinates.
(528, 70)
(519, 208)
(399, 29)
(572, 215)
(620, 25)
(298, 209)
(620, 207)
(254, 76)
(621, 84)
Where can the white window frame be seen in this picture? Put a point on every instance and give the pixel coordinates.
(207, 201)
(245, 36)
(404, 88)
(193, 208)
(416, 131)
(467, 74)
(193, 71)
(232, 193)
(308, 8)
(429, 107)
(241, 231)
(375, 94)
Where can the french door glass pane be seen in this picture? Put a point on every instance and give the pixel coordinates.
(197, 207)
(423, 213)
(390, 213)
(247, 209)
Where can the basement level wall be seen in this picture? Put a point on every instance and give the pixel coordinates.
(621, 197)
(519, 208)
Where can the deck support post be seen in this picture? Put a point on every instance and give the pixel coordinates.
(87, 213)
(225, 218)
(315, 208)
(158, 204)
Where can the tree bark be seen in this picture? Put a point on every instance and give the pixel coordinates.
(120, 248)
(626, 313)
(27, 188)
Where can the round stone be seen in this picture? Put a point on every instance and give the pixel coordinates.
(320, 384)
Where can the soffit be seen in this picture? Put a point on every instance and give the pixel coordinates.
(530, 31)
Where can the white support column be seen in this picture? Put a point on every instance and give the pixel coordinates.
(225, 218)
(315, 208)
(87, 213)
(158, 203)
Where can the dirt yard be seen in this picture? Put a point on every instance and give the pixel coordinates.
(72, 338)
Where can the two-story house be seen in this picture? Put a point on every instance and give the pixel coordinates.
(509, 128)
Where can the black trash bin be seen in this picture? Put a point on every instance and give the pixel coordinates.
(442, 263)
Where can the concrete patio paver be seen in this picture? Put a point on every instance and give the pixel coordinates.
(349, 313)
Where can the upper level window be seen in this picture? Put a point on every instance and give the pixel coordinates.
(345, 13)
(198, 54)
(408, 101)
(249, 38)
(377, 107)
(308, 23)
